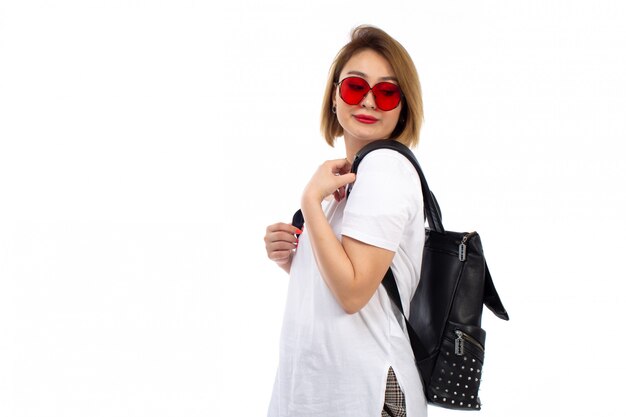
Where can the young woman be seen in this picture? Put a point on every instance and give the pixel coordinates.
(343, 349)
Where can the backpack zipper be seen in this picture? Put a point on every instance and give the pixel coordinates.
(463, 246)
(459, 343)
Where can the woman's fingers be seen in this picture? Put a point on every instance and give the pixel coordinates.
(282, 227)
(337, 195)
(280, 241)
(280, 257)
(281, 245)
(340, 193)
(330, 177)
(280, 237)
(340, 166)
(341, 170)
(281, 232)
(341, 180)
(277, 254)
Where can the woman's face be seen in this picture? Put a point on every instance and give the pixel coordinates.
(364, 121)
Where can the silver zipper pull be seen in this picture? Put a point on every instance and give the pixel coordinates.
(459, 347)
(463, 247)
(462, 251)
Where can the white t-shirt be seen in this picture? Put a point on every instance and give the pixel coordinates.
(334, 364)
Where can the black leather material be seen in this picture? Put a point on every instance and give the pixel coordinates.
(449, 299)
(298, 220)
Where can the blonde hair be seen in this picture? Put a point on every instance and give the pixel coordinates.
(407, 130)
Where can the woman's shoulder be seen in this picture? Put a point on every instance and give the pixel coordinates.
(388, 161)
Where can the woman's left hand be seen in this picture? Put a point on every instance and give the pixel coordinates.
(330, 178)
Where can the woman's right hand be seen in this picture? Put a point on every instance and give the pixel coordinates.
(280, 242)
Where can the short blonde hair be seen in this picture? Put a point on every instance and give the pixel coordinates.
(407, 130)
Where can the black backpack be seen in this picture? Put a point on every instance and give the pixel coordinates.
(444, 326)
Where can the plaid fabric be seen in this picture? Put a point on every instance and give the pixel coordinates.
(394, 398)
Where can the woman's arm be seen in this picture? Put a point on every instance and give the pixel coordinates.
(353, 270)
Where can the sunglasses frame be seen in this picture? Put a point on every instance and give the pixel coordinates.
(371, 88)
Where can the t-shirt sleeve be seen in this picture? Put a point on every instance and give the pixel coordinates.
(385, 198)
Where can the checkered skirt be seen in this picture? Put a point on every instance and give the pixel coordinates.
(395, 405)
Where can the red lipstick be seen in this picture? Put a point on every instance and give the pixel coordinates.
(365, 119)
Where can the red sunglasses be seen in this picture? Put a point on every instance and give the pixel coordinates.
(353, 90)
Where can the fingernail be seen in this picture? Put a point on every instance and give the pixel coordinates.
(298, 231)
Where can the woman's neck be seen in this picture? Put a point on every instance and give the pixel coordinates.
(353, 146)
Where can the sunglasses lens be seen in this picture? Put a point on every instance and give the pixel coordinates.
(353, 89)
(387, 95)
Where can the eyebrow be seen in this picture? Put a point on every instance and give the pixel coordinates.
(362, 74)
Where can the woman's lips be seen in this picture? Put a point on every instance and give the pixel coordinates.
(365, 119)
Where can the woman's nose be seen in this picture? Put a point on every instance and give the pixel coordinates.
(369, 101)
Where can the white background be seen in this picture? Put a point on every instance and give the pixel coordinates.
(145, 146)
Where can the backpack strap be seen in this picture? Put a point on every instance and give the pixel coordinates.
(432, 212)
(298, 220)
(389, 282)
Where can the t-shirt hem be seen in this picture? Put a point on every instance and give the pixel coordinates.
(369, 239)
